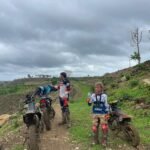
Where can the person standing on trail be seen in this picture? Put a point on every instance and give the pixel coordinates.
(99, 111)
(64, 89)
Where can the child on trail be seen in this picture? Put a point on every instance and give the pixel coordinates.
(100, 110)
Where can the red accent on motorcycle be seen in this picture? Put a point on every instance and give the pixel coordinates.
(42, 103)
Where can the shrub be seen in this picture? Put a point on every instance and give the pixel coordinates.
(114, 85)
(126, 96)
(54, 80)
(121, 75)
(128, 77)
(92, 89)
(134, 83)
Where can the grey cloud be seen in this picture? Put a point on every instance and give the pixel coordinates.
(56, 34)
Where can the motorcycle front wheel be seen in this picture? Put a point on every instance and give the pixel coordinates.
(131, 134)
(33, 138)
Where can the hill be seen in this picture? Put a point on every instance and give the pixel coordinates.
(130, 86)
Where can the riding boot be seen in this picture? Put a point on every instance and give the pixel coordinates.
(68, 121)
(96, 138)
(63, 119)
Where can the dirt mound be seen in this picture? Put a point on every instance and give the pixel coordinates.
(147, 81)
(3, 119)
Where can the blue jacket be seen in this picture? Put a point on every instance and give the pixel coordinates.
(45, 90)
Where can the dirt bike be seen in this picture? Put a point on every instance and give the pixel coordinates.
(48, 111)
(101, 129)
(32, 118)
(119, 121)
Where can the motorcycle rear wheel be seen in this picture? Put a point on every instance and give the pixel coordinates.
(47, 121)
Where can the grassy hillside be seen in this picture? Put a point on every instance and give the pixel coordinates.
(128, 87)
(12, 94)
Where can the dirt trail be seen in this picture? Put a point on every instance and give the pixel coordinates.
(58, 137)
(147, 81)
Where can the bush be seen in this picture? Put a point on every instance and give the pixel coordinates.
(92, 89)
(128, 77)
(134, 83)
(141, 67)
(126, 96)
(114, 85)
(121, 75)
(107, 80)
(54, 80)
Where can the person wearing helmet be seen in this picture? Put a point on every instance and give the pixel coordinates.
(64, 90)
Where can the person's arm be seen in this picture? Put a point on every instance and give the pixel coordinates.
(90, 100)
(54, 88)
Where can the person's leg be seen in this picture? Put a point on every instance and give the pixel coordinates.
(104, 129)
(95, 129)
(68, 117)
(62, 111)
(67, 112)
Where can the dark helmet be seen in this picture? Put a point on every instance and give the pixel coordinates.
(63, 74)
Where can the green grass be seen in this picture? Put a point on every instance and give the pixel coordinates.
(18, 147)
(127, 92)
(18, 88)
(12, 125)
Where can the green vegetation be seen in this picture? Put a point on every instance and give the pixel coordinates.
(17, 88)
(128, 92)
(12, 126)
(81, 119)
(18, 147)
(134, 83)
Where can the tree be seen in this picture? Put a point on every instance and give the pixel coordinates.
(135, 56)
(29, 76)
(136, 37)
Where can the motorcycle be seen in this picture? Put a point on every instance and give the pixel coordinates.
(33, 120)
(120, 122)
(48, 111)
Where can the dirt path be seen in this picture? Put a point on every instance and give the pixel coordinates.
(147, 81)
(58, 137)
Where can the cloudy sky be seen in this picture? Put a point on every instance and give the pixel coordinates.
(84, 36)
